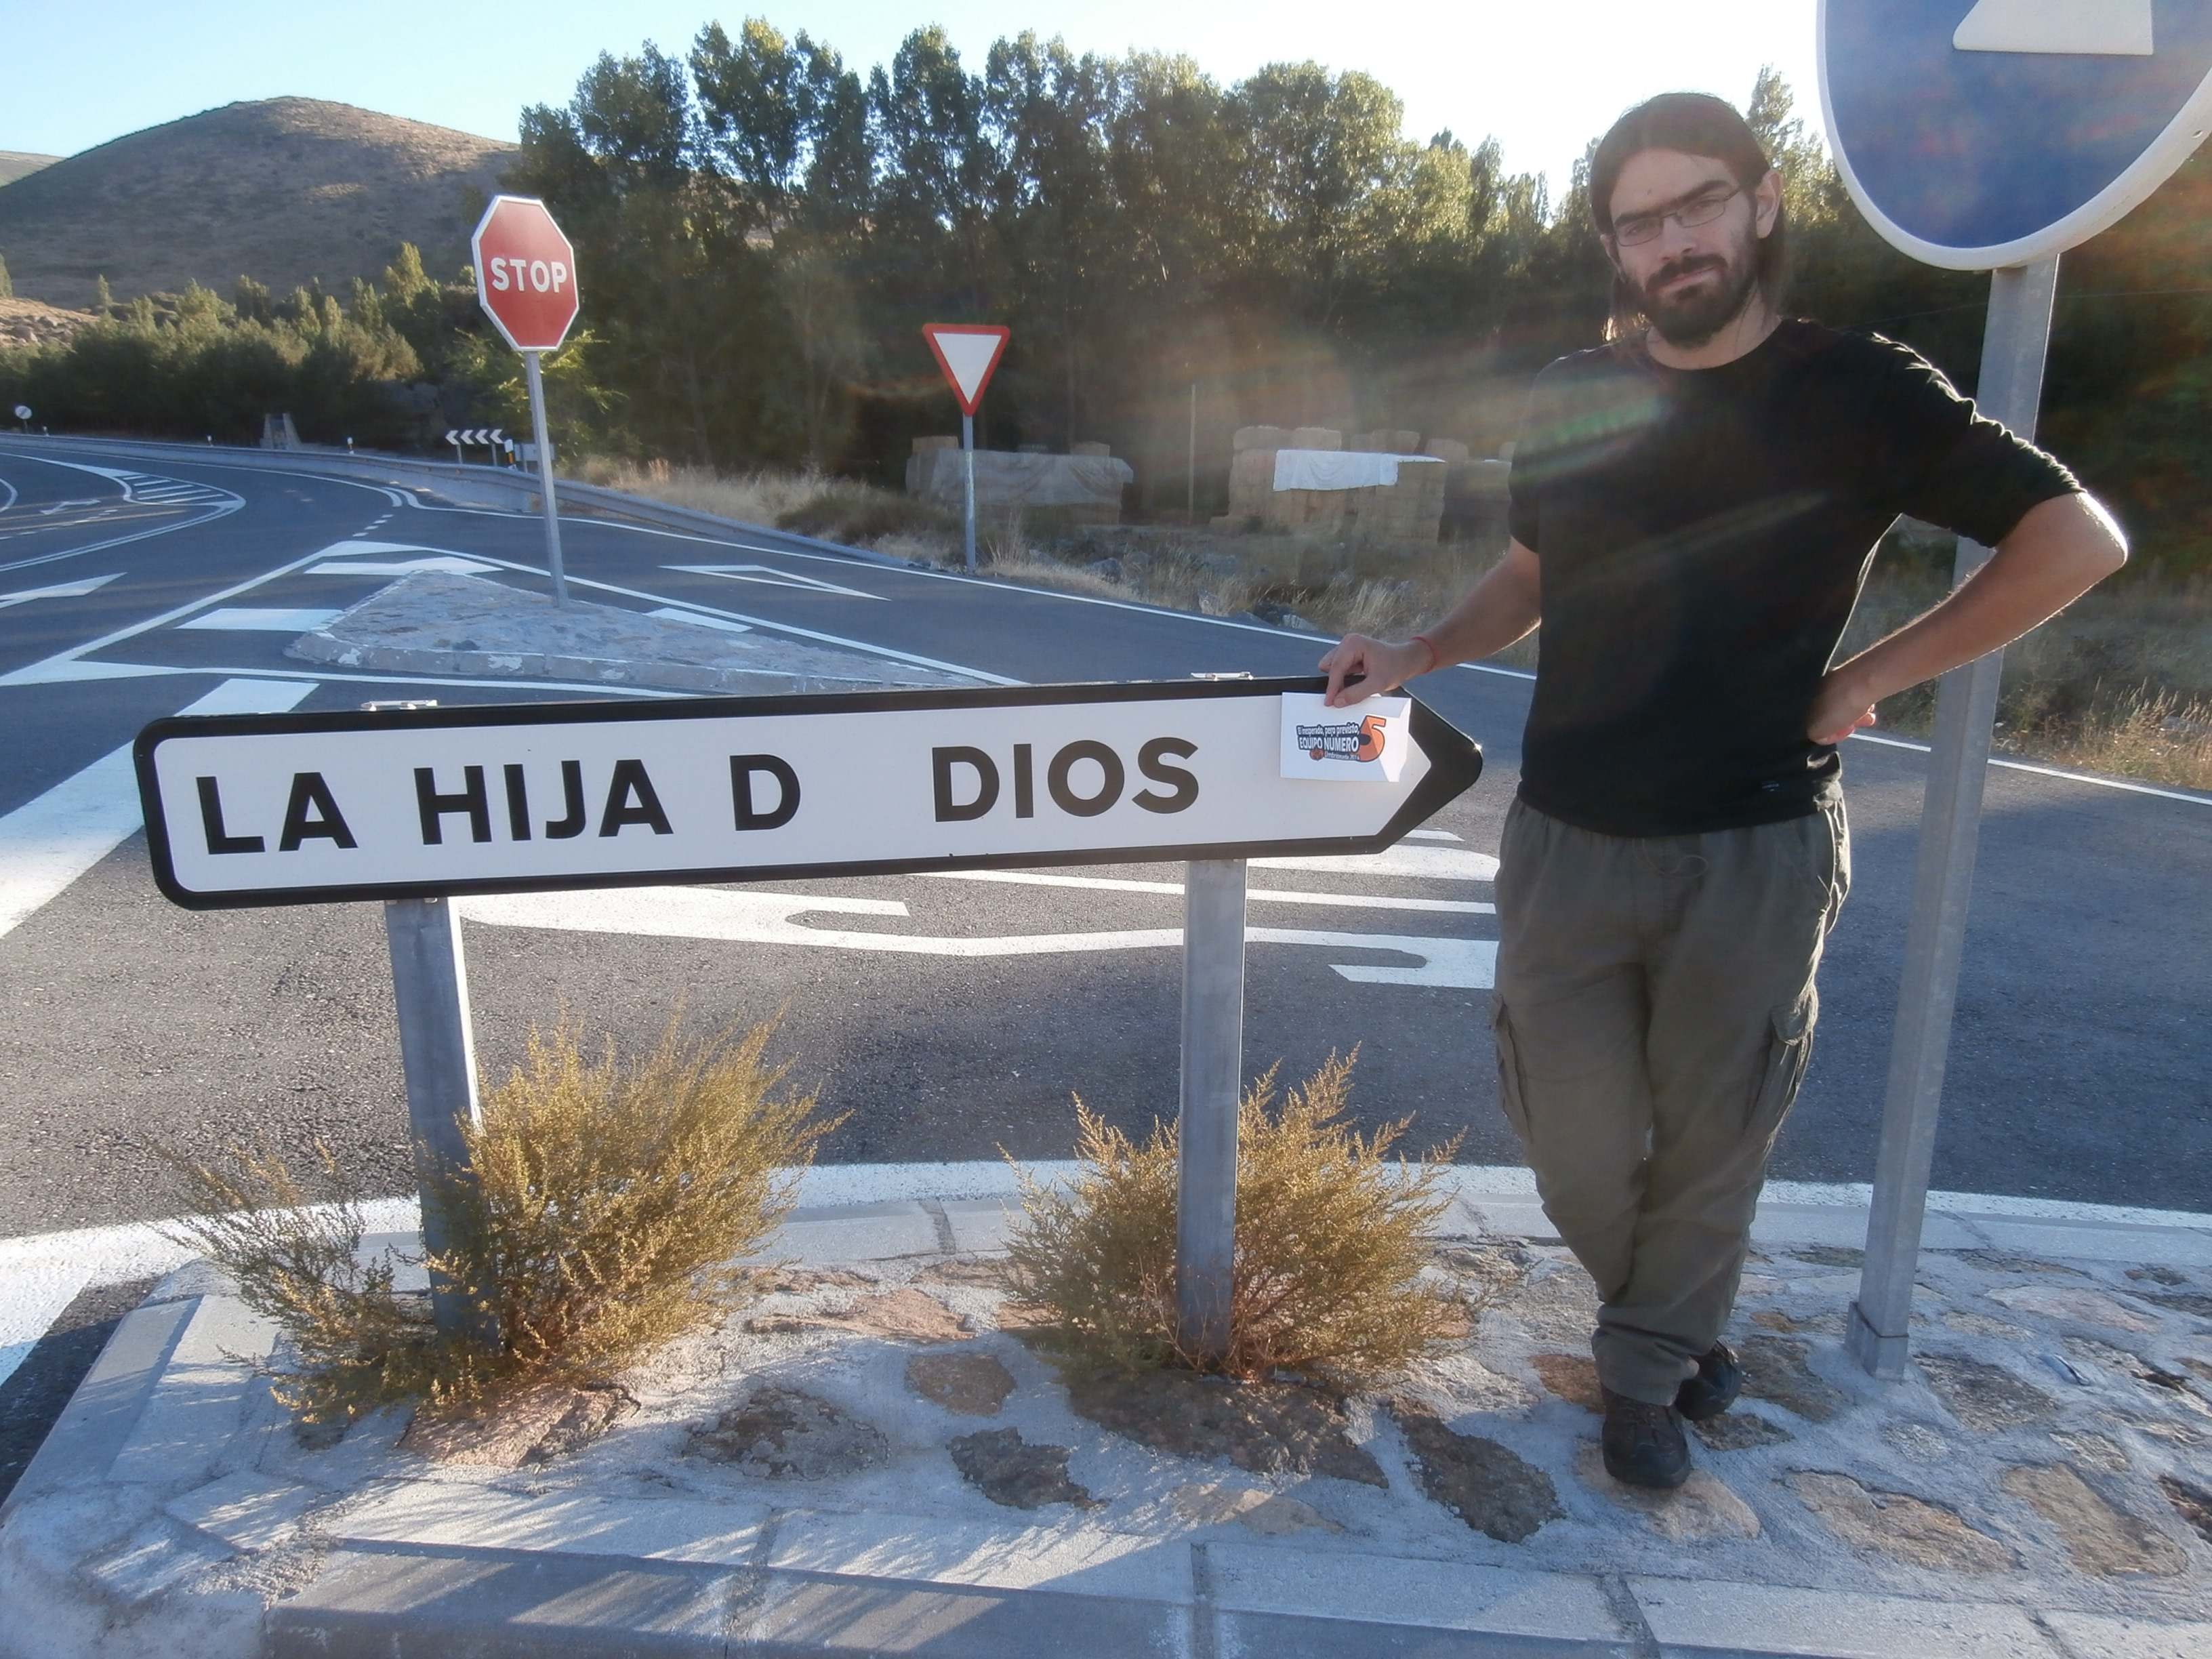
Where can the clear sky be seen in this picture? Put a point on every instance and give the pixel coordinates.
(1543, 75)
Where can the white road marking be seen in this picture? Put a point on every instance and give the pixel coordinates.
(670, 613)
(1431, 834)
(756, 918)
(76, 590)
(768, 575)
(1425, 863)
(449, 564)
(48, 842)
(246, 619)
(1280, 895)
(2049, 772)
(134, 485)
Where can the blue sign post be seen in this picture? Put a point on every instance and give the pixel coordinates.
(1985, 135)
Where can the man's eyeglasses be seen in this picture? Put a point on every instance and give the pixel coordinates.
(1702, 208)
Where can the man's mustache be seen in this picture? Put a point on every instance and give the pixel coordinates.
(1696, 263)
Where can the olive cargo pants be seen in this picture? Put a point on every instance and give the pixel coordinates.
(1654, 1014)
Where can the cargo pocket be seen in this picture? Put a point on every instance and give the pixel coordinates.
(1510, 1097)
(1790, 1048)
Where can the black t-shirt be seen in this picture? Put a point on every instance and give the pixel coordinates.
(1703, 534)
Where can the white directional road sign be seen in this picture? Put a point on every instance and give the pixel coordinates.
(310, 808)
(1980, 134)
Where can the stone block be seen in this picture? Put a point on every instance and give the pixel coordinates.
(2092, 1241)
(246, 1510)
(980, 1223)
(985, 1555)
(494, 1604)
(440, 1515)
(857, 1232)
(1449, 450)
(1340, 1584)
(107, 1405)
(921, 445)
(1089, 449)
(1315, 437)
(201, 1400)
(1402, 441)
(2101, 1636)
(1709, 1618)
(813, 1618)
(1262, 438)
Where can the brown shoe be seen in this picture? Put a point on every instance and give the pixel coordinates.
(1643, 1444)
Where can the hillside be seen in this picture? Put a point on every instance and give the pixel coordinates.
(284, 190)
(15, 163)
(30, 322)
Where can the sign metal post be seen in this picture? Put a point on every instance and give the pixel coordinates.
(967, 354)
(1995, 142)
(437, 1051)
(2015, 340)
(1212, 1087)
(545, 478)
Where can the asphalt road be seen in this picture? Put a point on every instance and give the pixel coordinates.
(2082, 1067)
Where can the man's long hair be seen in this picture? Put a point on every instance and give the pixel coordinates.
(1696, 124)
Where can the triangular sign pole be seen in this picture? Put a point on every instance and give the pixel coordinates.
(968, 353)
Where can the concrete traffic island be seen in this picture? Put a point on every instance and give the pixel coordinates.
(869, 1459)
(438, 622)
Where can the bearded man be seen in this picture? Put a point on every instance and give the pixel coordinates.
(1695, 506)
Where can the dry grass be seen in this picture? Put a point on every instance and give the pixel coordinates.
(1332, 1237)
(810, 503)
(615, 1206)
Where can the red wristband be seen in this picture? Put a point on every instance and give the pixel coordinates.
(1436, 657)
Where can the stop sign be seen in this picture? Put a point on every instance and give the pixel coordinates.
(525, 273)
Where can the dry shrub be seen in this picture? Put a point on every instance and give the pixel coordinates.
(1331, 1236)
(615, 1206)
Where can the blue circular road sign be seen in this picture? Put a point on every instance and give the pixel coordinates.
(1976, 134)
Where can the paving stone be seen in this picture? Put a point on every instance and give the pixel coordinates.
(1007, 1470)
(1269, 1428)
(463, 1514)
(1775, 1369)
(1272, 1515)
(1968, 1323)
(2192, 1504)
(1015, 1551)
(2102, 1539)
(2187, 1302)
(1488, 1271)
(1996, 1261)
(1822, 1324)
(533, 1427)
(2157, 1275)
(2082, 1307)
(803, 1281)
(1830, 1256)
(1470, 1385)
(1700, 1509)
(976, 1273)
(1572, 1376)
(1985, 1396)
(1917, 1442)
(906, 1315)
(1740, 1431)
(838, 1234)
(1491, 1487)
(800, 1619)
(1560, 1308)
(972, 1384)
(1903, 1527)
(2096, 1451)
(786, 1434)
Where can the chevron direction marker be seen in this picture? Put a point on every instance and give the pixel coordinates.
(76, 590)
(312, 808)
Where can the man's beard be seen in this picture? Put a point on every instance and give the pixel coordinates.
(1690, 319)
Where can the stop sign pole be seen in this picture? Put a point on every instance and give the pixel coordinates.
(526, 283)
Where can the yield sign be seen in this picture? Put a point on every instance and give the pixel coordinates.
(967, 352)
(1979, 134)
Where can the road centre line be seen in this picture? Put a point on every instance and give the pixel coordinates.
(50, 841)
(1277, 894)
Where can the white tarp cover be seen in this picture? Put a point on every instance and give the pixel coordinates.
(1006, 479)
(1341, 469)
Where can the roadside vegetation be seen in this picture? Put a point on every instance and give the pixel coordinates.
(1333, 1237)
(615, 1205)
